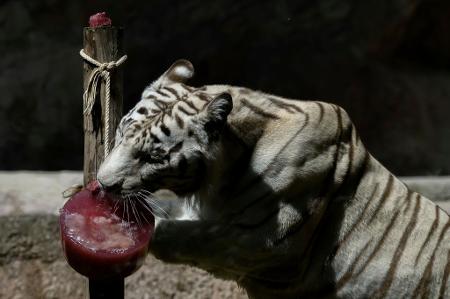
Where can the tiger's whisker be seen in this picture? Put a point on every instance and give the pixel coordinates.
(136, 212)
(144, 204)
(156, 206)
(116, 205)
(149, 203)
(126, 207)
(152, 203)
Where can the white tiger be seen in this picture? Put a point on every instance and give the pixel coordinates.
(278, 195)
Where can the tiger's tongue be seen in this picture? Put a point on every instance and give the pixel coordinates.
(101, 236)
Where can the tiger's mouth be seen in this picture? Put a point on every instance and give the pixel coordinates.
(179, 190)
(181, 186)
(130, 192)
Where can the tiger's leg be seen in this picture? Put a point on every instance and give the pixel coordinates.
(209, 245)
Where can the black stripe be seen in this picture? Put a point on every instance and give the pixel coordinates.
(159, 104)
(203, 97)
(409, 194)
(445, 277)
(388, 279)
(387, 191)
(157, 119)
(176, 148)
(258, 110)
(268, 168)
(182, 109)
(179, 121)
(430, 233)
(286, 106)
(165, 129)
(350, 155)
(173, 91)
(150, 97)
(423, 283)
(360, 218)
(349, 273)
(362, 170)
(188, 88)
(274, 169)
(380, 242)
(305, 121)
(321, 112)
(155, 138)
(128, 120)
(160, 92)
(162, 102)
(191, 105)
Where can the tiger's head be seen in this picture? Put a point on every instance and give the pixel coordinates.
(168, 139)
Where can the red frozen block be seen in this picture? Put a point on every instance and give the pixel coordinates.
(99, 19)
(101, 237)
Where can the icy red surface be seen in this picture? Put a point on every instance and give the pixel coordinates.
(100, 237)
(99, 19)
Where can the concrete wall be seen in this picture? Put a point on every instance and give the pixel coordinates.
(31, 261)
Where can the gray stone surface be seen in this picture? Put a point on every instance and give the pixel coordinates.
(35, 192)
(435, 188)
(31, 261)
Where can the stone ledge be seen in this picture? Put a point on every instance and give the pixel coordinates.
(40, 192)
(436, 188)
(34, 192)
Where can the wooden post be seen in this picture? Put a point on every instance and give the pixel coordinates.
(104, 44)
(107, 289)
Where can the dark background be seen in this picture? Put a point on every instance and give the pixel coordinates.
(387, 62)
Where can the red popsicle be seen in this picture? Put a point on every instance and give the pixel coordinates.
(99, 19)
(102, 238)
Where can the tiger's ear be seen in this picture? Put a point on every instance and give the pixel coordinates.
(179, 72)
(216, 114)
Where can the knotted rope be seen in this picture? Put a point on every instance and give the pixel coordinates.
(102, 70)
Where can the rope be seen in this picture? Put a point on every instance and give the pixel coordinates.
(102, 70)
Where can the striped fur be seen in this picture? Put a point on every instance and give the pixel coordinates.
(278, 195)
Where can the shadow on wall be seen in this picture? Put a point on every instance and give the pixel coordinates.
(385, 61)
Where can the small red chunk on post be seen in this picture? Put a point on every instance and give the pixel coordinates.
(99, 19)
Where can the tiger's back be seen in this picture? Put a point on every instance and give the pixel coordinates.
(287, 200)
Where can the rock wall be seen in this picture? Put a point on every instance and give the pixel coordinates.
(385, 61)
